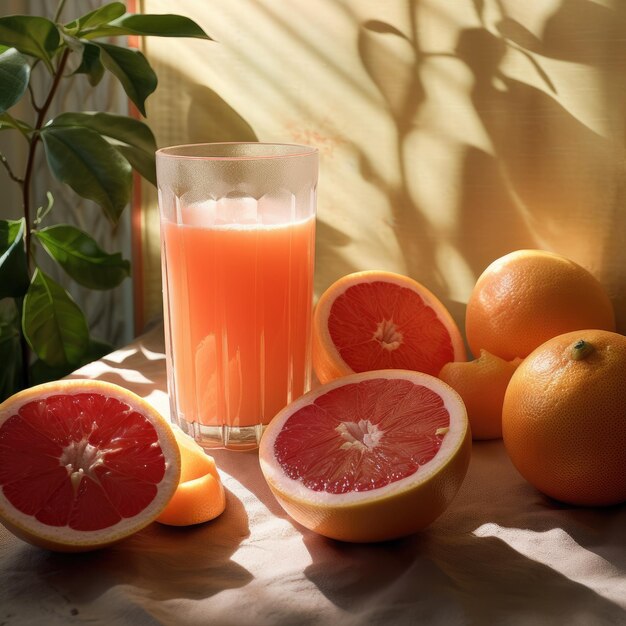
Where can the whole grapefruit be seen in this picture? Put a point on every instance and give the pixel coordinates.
(529, 296)
(564, 418)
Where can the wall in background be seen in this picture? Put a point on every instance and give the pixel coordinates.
(450, 132)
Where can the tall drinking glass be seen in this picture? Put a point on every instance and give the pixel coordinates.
(238, 234)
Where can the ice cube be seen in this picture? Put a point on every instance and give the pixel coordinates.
(197, 214)
(236, 211)
(277, 208)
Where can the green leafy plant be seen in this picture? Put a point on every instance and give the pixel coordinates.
(43, 332)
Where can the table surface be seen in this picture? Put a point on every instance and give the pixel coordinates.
(501, 554)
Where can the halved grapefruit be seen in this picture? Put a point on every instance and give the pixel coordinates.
(374, 320)
(368, 457)
(83, 464)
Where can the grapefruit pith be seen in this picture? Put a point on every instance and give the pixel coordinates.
(374, 320)
(83, 464)
(368, 457)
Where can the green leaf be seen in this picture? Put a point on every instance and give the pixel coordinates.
(96, 350)
(102, 15)
(53, 323)
(142, 162)
(91, 64)
(165, 25)
(14, 77)
(13, 265)
(11, 373)
(41, 372)
(30, 34)
(85, 161)
(120, 127)
(81, 257)
(140, 143)
(133, 71)
(7, 121)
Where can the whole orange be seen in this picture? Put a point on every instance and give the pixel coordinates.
(528, 296)
(564, 418)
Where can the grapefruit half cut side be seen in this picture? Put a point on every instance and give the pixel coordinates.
(381, 320)
(368, 457)
(83, 464)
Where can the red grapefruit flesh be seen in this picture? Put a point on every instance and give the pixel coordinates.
(83, 464)
(380, 320)
(368, 457)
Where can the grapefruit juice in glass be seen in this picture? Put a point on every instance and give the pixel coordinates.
(238, 234)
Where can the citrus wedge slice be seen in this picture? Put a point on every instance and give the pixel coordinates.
(368, 457)
(481, 383)
(200, 495)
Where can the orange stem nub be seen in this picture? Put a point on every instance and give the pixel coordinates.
(581, 350)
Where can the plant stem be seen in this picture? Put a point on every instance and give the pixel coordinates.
(23, 346)
(30, 162)
(581, 350)
(32, 97)
(12, 176)
(57, 13)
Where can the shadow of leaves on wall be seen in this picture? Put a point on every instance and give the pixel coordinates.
(212, 119)
(551, 180)
(395, 69)
(556, 168)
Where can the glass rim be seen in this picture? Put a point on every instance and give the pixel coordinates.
(179, 151)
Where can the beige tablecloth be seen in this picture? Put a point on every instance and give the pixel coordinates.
(501, 554)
